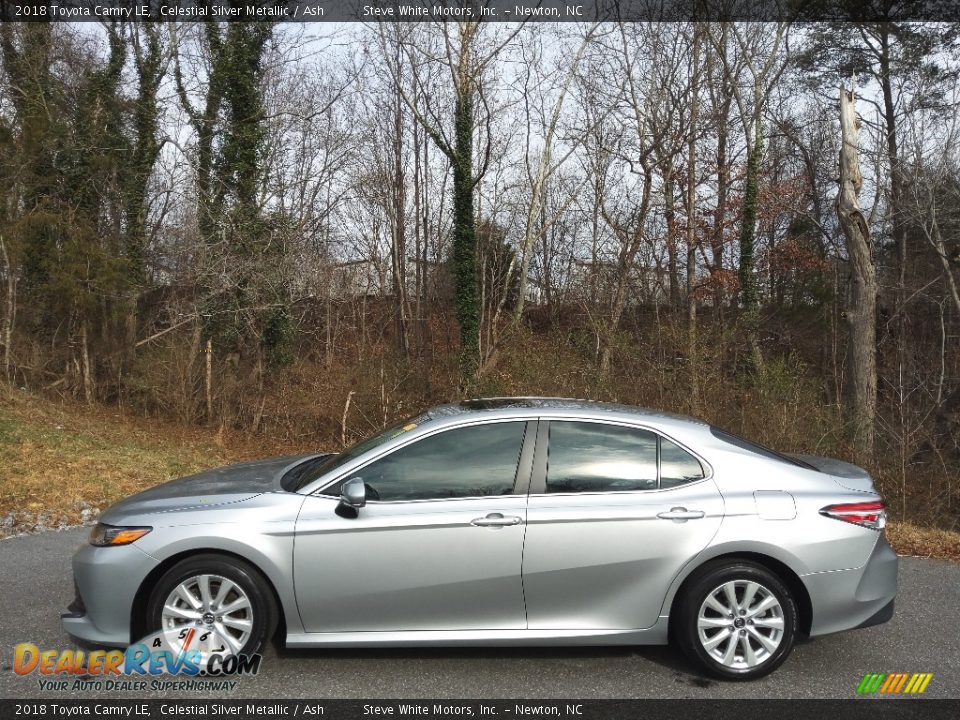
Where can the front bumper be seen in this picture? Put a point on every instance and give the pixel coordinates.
(106, 581)
(861, 597)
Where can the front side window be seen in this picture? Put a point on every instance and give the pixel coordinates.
(473, 461)
(593, 457)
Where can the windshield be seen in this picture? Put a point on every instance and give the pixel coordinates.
(306, 472)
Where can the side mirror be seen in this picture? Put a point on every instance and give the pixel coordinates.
(353, 496)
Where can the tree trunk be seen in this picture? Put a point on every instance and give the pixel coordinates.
(419, 230)
(146, 148)
(631, 241)
(670, 217)
(204, 124)
(748, 281)
(860, 313)
(897, 215)
(464, 234)
(897, 226)
(723, 185)
(9, 317)
(208, 379)
(749, 295)
(398, 223)
(692, 346)
(85, 362)
(547, 279)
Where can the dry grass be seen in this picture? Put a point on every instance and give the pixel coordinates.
(909, 539)
(56, 460)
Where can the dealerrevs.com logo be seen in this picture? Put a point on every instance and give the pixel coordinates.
(894, 683)
(200, 660)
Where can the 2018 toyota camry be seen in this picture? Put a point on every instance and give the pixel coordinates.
(514, 521)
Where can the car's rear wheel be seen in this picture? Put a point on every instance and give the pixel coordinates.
(215, 592)
(737, 620)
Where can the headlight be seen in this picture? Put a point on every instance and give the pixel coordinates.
(104, 535)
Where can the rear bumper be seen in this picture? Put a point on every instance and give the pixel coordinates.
(106, 582)
(884, 614)
(861, 597)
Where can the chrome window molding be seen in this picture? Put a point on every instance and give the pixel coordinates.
(320, 485)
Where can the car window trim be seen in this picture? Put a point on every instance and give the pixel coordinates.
(703, 463)
(521, 477)
(538, 483)
(538, 480)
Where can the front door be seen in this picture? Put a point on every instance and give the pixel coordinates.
(437, 547)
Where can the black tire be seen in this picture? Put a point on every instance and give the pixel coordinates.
(244, 575)
(710, 579)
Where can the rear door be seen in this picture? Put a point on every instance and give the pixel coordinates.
(614, 513)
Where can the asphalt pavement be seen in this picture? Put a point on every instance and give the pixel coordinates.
(35, 586)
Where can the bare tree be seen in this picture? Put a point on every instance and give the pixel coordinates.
(541, 164)
(633, 151)
(758, 61)
(862, 301)
(467, 59)
(692, 341)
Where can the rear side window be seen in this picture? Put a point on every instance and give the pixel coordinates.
(594, 457)
(597, 457)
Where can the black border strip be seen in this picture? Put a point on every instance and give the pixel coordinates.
(488, 10)
(566, 709)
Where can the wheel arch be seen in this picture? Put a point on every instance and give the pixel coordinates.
(138, 609)
(779, 568)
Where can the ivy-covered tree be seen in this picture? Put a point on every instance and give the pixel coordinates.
(244, 280)
(150, 64)
(66, 232)
(466, 61)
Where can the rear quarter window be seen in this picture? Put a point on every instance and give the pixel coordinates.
(677, 466)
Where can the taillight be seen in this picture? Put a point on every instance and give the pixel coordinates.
(868, 514)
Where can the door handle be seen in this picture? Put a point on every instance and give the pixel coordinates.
(680, 513)
(496, 520)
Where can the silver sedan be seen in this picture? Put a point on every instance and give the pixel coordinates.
(509, 521)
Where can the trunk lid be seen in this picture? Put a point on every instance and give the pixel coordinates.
(847, 475)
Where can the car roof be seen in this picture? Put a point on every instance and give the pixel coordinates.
(532, 405)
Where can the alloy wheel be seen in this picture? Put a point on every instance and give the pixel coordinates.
(740, 624)
(210, 602)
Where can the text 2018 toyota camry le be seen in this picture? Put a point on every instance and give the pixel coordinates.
(520, 521)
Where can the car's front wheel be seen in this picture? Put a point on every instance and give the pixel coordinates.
(215, 592)
(737, 620)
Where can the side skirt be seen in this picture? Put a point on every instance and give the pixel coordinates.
(655, 635)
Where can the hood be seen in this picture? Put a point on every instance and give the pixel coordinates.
(847, 475)
(219, 486)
